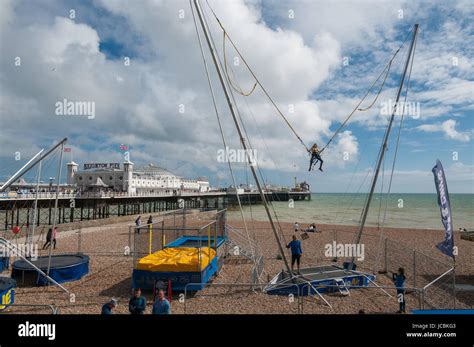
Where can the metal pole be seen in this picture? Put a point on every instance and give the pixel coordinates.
(5, 186)
(56, 203)
(31, 237)
(365, 211)
(233, 111)
(14, 177)
(414, 268)
(454, 283)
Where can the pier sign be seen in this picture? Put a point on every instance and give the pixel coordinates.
(101, 166)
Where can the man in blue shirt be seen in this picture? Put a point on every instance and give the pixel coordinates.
(108, 307)
(296, 253)
(161, 305)
(399, 279)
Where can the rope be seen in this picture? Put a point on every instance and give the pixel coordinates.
(343, 124)
(257, 80)
(220, 127)
(233, 84)
(380, 90)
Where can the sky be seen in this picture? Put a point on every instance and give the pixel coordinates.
(139, 63)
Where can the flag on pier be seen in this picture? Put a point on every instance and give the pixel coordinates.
(445, 207)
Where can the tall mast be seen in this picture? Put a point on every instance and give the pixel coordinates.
(365, 211)
(233, 111)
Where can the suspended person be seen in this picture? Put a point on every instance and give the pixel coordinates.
(296, 252)
(315, 157)
(399, 279)
(137, 303)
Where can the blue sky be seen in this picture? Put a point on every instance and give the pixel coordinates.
(299, 60)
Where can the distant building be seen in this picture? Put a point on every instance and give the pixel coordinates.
(146, 179)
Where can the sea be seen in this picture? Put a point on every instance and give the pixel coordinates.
(405, 210)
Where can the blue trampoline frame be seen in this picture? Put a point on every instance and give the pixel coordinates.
(60, 273)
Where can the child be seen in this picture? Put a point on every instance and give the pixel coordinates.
(315, 157)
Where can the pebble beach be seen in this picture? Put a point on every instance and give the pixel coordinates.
(230, 291)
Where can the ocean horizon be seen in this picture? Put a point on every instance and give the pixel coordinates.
(405, 210)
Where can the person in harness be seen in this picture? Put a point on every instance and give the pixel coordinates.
(315, 157)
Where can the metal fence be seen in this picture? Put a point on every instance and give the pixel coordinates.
(239, 298)
(150, 238)
(29, 309)
(433, 278)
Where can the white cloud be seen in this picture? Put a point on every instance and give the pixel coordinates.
(448, 127)
(138, 105)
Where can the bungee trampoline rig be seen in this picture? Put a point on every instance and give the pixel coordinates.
(311, 280)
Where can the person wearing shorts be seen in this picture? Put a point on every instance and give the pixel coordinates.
(296, 252)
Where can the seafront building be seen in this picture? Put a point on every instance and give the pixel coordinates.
(141, 180)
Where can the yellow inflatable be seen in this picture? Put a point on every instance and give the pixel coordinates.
(180, 259)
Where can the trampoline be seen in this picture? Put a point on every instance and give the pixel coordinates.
(4, 263)
(64, 268)
(195, 241)
(317, 280)
(181, 276)
(7, 292)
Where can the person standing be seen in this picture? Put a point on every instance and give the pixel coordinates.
(161, 305)
(296, 252)
(399, 279)
(138, 223)
(48, 238)
(137, 303)
(55, 231)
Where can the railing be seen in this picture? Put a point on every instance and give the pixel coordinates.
(47, 195)
(54, 310)
(249, 287)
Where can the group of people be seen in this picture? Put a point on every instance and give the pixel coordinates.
(398, 277)
(138, 223)
(311, 228)
(51, 238)
(137, 304)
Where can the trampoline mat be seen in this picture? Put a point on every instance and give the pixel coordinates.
(57, 262)
(321, 273)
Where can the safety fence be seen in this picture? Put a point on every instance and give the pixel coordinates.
(433, 277)
(201, 225)
(29, 309)
(238, 298)
(241, 244)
